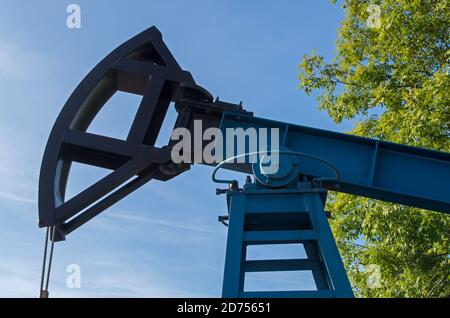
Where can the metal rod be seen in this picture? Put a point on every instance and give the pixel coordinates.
(44, 263)
(50, 258)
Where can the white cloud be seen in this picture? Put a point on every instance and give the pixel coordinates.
(176, 225)
(21, 278)
(18, 172)
(17, 278)
(17, 198)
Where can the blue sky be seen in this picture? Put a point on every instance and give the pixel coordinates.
(164, 239)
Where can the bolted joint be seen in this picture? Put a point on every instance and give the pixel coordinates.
(234, 185)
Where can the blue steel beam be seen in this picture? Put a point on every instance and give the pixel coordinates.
(369, 167)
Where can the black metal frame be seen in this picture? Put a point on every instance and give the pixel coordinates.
(143, 65)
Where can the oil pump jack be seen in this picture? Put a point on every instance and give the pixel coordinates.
(281, 207)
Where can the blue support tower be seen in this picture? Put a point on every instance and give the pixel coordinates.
(295, 214)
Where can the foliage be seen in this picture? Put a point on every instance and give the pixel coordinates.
(391, 75)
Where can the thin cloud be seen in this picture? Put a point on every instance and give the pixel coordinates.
(17, 198)
(171, 224)
(24, 283)
(18, 175)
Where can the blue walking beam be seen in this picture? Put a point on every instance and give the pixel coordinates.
(370, 168)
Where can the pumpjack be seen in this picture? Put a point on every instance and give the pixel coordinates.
(284, 207)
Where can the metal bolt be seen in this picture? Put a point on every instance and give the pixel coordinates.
(221, 191)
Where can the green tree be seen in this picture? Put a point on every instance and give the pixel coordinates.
(391, 74)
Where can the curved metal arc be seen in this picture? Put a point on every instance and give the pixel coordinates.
(142, 65)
